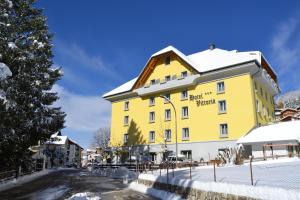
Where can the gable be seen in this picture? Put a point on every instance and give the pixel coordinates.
(156, 69)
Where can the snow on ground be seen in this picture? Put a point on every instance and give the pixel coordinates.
(121, 173)
(84, 196)
(153, 192)
(50, 193)
(4, 71)
(282, 173)
(275, 179)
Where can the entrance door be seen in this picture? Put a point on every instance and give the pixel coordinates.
(187, 154)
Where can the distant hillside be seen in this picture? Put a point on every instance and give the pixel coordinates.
(289, 100)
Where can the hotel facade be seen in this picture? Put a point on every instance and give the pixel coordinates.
(204, 102)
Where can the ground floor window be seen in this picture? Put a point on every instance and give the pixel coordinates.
(187, 153)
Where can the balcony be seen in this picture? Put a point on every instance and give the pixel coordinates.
(163, 85)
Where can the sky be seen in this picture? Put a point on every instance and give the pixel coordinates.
(103, 44)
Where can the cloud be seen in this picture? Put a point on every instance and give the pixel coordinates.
(285, 51)
(84, 113)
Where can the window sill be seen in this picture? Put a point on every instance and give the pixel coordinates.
(166, 102)
(151, 141)
(184, 99)
(185, 139)
(150, 105)
(223, 136)
(126, 109)
(185, 117)
(166, 120)
(221, 92)
(125, 124)
(151, 122)
(221, 113)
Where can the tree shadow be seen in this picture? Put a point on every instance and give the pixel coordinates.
(135, 136)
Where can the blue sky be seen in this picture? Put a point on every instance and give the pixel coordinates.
(102, 44)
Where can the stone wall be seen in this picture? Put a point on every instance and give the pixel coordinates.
(190, 193)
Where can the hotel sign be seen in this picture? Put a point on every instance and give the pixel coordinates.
(200, 101)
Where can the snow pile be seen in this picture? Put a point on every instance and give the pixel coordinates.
(4, 71)
(160, 194)
(50, 193)
(261, 192)
(84, 196)
(119, 173)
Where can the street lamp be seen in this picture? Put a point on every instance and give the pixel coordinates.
(176, 145)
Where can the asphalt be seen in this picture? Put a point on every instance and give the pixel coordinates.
(65, 183)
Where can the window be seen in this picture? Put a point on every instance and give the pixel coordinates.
(151, 101)
(125, 138)
(126, 120)
(184, 95)
(184, 74)
(185, 112)
(261, 92)
(255, 85)
(185, 134)
(223, 130)
(168, 98)
(222, 106)
(168, 135)
(126, 105)
(167, 114)
(152, 82)
(257, 106)
(168, 78)
(167, 60)
(220, 87)
(266, 95)
(151, 136)
(151, 117)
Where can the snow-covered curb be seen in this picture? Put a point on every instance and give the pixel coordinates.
(260, 192)
(153, 192)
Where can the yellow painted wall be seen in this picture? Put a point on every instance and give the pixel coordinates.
(203, 121)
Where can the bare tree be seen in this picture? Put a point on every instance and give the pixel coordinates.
(101, 138)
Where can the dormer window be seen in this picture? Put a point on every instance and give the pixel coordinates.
(152, 82)
(167, 78)
(184, 74)
(167, 60)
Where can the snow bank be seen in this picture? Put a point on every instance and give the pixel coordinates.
(84, 196)
(153, 192)
(4, 71)
(261, 192)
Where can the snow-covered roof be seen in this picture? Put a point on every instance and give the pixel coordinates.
(123, 88)
(203, 61)
(59, 139)
(279, 132)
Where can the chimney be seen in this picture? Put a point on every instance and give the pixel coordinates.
(212, 46)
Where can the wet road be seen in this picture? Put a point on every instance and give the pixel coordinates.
(63, 184)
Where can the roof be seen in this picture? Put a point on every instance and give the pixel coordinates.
(59, 139)
(204, 61)
(283, 131)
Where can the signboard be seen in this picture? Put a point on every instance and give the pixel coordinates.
(201, 101)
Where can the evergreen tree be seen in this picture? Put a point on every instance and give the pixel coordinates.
(26, 113)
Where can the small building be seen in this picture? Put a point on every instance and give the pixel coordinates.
(280, 139)
(59, 151)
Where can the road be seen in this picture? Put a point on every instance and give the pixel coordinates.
(65, 183)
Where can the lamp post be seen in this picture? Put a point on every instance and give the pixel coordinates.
(176, 145)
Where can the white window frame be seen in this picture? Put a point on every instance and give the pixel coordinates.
(151, 136)
(167, 117)
(184, 95)
(151, 101)
(185, 133)
(220, 89)
(151, 116)
(223, 130)
(125, 138)
(184, 74)
(185, 112)
(167, 78)
(126, 120)
(222, 109)
(168, 96)
(168, 135)
(126, 105)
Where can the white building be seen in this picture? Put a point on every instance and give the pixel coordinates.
(280, 139)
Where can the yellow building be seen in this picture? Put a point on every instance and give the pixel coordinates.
(218, 96)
